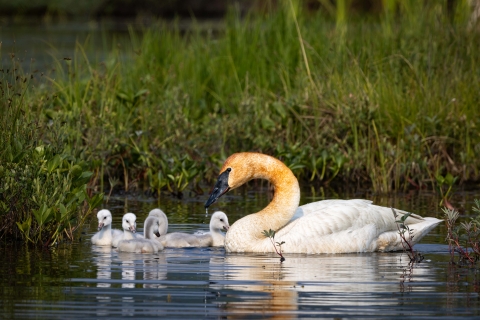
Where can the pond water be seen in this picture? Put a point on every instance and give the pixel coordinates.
(78, 280)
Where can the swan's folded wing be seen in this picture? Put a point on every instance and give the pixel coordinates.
(363, 206)
(340, 226)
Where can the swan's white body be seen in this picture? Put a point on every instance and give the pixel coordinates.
(214, 237)
(143, 245)
(129, 226)
(106, 234)
(329, 226)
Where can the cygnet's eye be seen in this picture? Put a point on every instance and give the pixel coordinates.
(221, 220)
(104, 218)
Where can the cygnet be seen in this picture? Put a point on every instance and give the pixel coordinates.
(105, 234)
(147, 244)
(129, 226)
(214, 237)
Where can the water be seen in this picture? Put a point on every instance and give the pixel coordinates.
(76, 280)
(79, 280)
(36, 44)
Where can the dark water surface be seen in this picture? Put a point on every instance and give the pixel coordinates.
(83, 281)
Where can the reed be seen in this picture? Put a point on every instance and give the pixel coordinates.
(281, 80)
(386, 103)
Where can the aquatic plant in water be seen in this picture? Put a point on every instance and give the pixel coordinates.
(271, 234)
(463, 238)
(406, 236)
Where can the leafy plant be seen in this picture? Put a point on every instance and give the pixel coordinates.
(406, 236)
(43, 186)
(271, 234)
(463, 238)
(445, 182)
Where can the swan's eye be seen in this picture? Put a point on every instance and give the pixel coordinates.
(221, 220)
(229, 169)
(104, 218)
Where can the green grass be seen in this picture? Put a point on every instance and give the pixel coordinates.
(385, 103)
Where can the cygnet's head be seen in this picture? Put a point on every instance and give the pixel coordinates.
(152, 225)
(219, 221)
(104, 218)
(157, 213)
(163, 220)
(128, 222)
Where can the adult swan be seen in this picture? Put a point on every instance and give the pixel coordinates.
(329, 226)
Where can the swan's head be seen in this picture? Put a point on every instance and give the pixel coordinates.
(238, 169)
(219, 221)
(152, 225)
(104, 218)
(129, 222)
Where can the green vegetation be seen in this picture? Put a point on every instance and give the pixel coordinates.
(271, 235)
(406, 237)
(43, 187)
(463, 238)
(387, 103)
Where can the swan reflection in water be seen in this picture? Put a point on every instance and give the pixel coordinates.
(318, 283)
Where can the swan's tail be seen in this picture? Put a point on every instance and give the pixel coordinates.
(391, 240)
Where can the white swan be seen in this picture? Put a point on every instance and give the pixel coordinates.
(329, 226)
(106, 234)
(214, 237)
(143, 245)
(129, 226)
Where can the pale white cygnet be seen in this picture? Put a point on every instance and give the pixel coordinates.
(147, 244)
(129, 226)
(106, 234)
(214, 237)
(162, 218)
(218, 223)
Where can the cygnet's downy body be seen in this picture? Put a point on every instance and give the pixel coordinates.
(105, 234)
(215, 237)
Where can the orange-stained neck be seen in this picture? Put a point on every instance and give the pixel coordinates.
(249, 165)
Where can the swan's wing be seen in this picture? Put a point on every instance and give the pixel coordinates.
(344, 226)
(361, 204)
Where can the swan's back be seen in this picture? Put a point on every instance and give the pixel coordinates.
(338, 226)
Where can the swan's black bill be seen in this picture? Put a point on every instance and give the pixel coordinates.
(220, 188)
